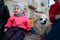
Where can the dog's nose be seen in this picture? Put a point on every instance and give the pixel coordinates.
(45, 22)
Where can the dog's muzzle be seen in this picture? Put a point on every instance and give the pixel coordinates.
(44, 23)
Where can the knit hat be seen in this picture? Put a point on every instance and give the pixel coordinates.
(20, 5)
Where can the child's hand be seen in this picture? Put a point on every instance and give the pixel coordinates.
(57, 17)
(5, 30)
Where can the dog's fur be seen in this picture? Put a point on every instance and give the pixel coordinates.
(42, 24)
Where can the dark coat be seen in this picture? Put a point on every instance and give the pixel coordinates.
(4, 15)
(54, 34)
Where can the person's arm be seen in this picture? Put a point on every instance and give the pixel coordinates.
(51, 14)
(6, 11)
(8, 25)
(28, 25)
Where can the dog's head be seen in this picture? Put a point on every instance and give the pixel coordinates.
(42, 19)
(42, 23)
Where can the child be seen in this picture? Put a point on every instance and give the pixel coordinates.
(17, 25)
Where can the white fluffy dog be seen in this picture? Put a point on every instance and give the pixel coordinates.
(42, 24)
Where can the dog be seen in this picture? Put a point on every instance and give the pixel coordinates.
(42, 24)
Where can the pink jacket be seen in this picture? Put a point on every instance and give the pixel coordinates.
(21, 22)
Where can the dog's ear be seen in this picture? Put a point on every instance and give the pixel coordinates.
(36, 14)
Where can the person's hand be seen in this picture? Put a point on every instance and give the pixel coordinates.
(5, 30)
(57, 17)
(59, 1)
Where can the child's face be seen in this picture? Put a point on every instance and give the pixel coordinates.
(17, 10)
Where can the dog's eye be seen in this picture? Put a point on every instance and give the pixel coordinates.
(40, 18)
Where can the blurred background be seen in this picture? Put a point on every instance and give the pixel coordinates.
(30, 5)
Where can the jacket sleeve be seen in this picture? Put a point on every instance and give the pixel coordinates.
(9, 23)
(51, 14)
(28, 25)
